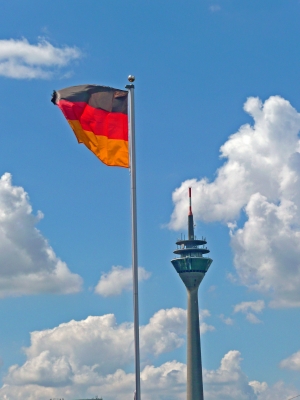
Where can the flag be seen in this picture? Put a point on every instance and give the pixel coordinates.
(99, 118)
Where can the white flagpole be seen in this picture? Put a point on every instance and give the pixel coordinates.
(134, 238)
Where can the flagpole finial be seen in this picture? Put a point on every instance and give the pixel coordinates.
(131, 78)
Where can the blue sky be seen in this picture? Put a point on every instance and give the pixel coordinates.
(204, 70)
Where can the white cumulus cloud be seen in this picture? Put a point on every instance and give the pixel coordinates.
(170, 326)
(97, 343)
(204, 327)
(267, 250)
(117, 280)
(229, 381)
(245, 306)
(278, 391)
(19, 59)
(249, 308)
(260, 177)
(226, 320)
(28, 264)
(292, 362)
(85, 358)
(75, 358)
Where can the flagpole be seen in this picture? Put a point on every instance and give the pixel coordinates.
(134, 237)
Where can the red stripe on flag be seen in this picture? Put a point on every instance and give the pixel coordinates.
(111, 124)
(71, 110)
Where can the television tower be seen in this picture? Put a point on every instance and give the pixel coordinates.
(191, 267)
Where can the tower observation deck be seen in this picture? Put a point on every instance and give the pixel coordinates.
(191, 266)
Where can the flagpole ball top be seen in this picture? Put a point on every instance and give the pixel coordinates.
(131, 78)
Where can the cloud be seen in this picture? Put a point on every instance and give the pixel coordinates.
(74, 365)
(253, 318)
(247, 306)
(117, 280)
(292, 362)
(164, 332)
(204, 327)
(164, 382)
(85, 357)
(260, 178)
(278, 391)
(215, 8)
(98, 343)
(270, 264)
(212, 288)
(227, 321)
(21, 60)
(229, 381)
(167, 328)
(28, 264)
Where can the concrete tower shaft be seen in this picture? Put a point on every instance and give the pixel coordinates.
(192, 267)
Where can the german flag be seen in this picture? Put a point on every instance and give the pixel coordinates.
(99, 118)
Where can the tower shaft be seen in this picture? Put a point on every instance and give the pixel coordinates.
(192, 281)
(194, 364)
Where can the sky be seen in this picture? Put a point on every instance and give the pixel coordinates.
(217, 109)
